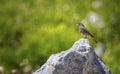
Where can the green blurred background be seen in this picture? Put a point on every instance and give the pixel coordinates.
(32, 30)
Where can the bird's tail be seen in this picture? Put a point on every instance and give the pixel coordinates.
(93, 38)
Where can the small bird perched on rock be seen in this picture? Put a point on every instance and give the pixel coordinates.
(85, 32)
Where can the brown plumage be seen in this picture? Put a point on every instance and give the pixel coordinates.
(85, 32)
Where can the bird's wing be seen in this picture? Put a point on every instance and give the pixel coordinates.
(87, 32)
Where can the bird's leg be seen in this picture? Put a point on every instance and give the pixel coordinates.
(85, 36)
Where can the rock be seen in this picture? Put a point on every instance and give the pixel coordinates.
(79, 59)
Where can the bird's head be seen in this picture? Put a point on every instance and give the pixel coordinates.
(80, 25)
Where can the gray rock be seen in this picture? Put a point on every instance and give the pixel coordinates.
(79, 59)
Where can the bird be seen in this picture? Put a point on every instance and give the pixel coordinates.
(85, 32)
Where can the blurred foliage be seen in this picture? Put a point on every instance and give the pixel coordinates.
(32, 30)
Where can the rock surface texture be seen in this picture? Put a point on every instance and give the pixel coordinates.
(79, 59)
